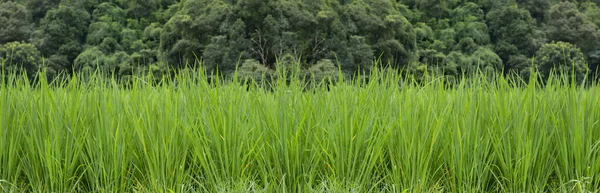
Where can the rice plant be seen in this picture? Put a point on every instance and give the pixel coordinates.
(391, 134)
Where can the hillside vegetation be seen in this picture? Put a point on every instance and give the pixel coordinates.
(448, 37)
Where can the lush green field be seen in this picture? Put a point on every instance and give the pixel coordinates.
(378, 137)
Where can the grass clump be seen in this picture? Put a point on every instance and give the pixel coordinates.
(382, 136)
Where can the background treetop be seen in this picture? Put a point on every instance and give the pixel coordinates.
(448, 37)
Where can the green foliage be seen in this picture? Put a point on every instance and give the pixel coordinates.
(385, 29)
(38, 8)
(324, 70)
(251, 68)
(19, 57)
(62, 32)
(224, 51)
(513, 31)
(536, 8)
(359, 55)
(561, 57)
(90, 60)
(222, 34)
(277, 28)
(565, 23)
(484, 60)
(519, 65)
(186, 34)
(15, 22)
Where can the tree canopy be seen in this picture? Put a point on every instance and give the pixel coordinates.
(450, 38)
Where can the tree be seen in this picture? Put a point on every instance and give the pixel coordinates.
(90, 60)
(139, 9)
(468, 12)
(108, 12)
(323, 70)
(145, 57)
(436, 8)
(15, 22)
(38, 8)
(592, 12)
(436, 63)
(99, 31)
(358, 56)
(512, 26)
(561, 57)
(445, 40)
(123, 63)
(515, 36)
(217, 55)
(537, 8)
(519, 65)
(384, 28)
(471, 31)
(565, 23)
(456, 62)
(62, 32)
(485, 61)
(20, 57)
(252, 69)
(130, 40)
(187, 33)
(151, 35)
(107, 31)
(424, 35)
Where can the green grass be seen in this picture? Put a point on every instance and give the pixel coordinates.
(192, 136)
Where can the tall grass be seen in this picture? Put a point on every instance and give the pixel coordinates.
(383, 136)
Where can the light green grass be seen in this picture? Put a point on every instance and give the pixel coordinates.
(376, 137)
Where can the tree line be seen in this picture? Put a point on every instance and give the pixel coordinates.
(316, 38)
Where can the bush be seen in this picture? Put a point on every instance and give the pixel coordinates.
(563, 58)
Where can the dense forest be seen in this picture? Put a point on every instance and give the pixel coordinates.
(315, 37)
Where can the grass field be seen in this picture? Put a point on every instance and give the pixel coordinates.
(377, 137)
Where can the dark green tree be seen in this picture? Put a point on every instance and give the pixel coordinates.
(519, 65)
(90, 60)
(514, 26)
(436, 8)
(435, 63)
(536, 8)
(565, 23)
(108, 12)
(20, 57)
(15, 22)
(457, 62)
(384, 28)
(445, 40)
(515, 36)
(561, 57)
(217, 55)
(99, 31)
(187, 33)
(471, 31)
(592, 12)
(124, 63)
(467, 12)
(483, 60)
(358, 56)
(62, 32)
(324, 70)
(151, 35)
(424, 34)
(138, 9)
(38, 8)
(254, 70)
